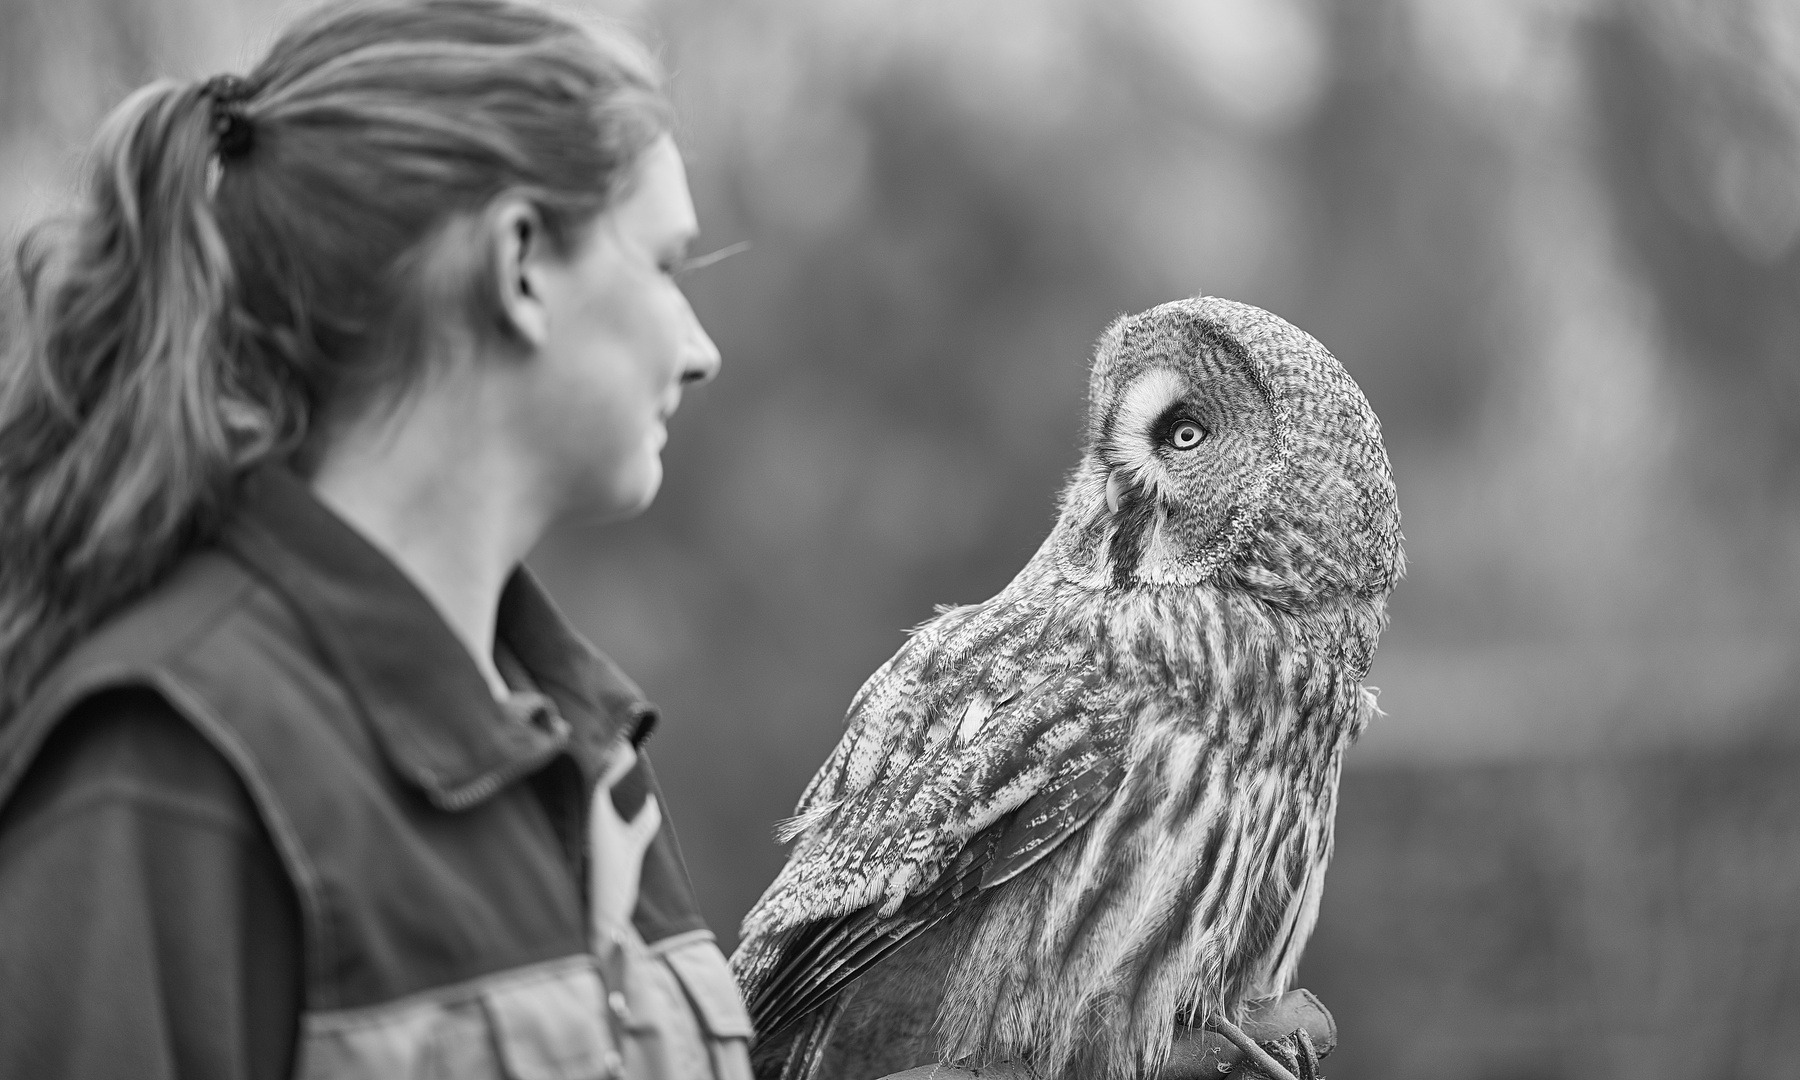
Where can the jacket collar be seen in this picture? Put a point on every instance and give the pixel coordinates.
(431, 709)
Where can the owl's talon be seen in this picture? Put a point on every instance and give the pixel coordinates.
(1295, 1053)
(1308, 1054)
(1282, 1050)
(1256, 1055)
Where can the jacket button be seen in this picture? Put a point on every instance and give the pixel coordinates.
(620, 1007)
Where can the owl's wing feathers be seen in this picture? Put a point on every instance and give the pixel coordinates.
(921, 772)
(963, 765)
(1080, 786)
(951, 673)
(814, 963)
(803, 969)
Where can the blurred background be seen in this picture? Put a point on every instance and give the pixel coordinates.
(1556, 241)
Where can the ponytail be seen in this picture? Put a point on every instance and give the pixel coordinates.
(252, 260)
(119, 435)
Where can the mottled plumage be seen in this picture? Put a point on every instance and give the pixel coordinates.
(1099, 804)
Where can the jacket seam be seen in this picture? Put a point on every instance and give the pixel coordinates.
(663, 946)
(360, 1017)
(320, 944)
(44, 715)
(114, 794)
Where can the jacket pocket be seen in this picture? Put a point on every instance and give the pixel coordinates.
(542, 1022)
(706, 979)
(555, 1028)
(677, 1019)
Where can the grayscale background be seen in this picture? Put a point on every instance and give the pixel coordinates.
(1556, 241)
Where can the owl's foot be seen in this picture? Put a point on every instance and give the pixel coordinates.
(1295, 1053)
(1281, 1038)
(1260, 1058)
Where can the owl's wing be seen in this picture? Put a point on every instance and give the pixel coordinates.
(962, 766)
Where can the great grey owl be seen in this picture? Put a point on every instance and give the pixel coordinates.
(1099, 805)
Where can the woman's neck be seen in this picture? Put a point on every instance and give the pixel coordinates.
(449, 507)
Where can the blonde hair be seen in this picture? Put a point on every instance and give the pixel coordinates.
(254, 254)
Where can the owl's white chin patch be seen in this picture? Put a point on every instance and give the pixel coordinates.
(1159, 557)
(1166, 563)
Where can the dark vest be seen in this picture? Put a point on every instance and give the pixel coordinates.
(446, 930)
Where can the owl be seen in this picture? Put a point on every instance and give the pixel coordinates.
(1063, 823)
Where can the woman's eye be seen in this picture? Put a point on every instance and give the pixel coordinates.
(1185, 435)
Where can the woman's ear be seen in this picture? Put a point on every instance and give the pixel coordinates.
(521, 251)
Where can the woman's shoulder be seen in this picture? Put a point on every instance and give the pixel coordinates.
(128, 659)
(202, 591)
(122, 755)
(207, 600)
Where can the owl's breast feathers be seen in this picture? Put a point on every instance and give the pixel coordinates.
(1195, 733)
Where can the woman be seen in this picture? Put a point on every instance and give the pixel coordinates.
(300, 772)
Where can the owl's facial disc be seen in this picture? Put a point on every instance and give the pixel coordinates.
(1136, 431)
(1225, 445)
(1179, 447)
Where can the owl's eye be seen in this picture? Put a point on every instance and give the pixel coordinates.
(1185, 434)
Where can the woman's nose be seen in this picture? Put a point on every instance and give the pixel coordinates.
(702, 360)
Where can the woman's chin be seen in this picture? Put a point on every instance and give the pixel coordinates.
(637, 506)
(625, 498)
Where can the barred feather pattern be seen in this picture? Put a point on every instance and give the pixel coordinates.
(1114, 782)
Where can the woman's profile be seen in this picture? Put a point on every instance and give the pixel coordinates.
(300, 772)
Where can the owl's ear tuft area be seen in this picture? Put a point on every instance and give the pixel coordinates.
(1100, 374)
(1114, 334)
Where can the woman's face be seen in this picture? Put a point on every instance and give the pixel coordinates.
(620, 342)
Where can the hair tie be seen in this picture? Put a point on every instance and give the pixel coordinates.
(232, 134)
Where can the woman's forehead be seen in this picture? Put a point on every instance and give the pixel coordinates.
(658, 207)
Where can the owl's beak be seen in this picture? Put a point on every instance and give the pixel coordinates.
(1113, 487)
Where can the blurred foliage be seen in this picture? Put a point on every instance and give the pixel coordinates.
(1511, 921)
(1556, 241)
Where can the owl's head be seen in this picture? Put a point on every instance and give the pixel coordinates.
(1226, 445)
